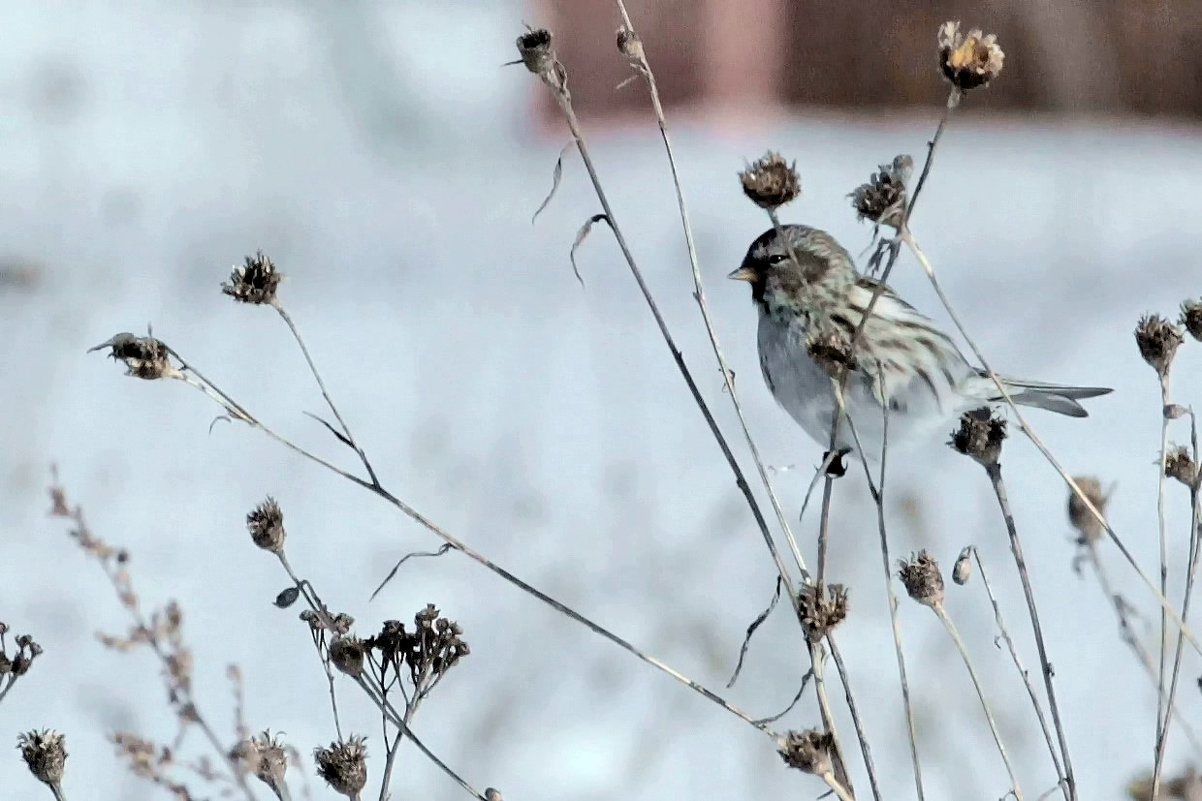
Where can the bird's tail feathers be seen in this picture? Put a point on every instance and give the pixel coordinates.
(1057, 398)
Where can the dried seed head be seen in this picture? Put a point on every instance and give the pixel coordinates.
(144, 357)
(537, 51)
(266, 526)
(1158, 340)
(630, 45)
(343, 765)
(980, 436)
(808, 751)
(1078, 513)
(492, 794)
(924, 582)
(265, 757)
(1179, 465)
(968, 61)
(45, 754)
(255, 281)
(1191, 318)
(962, 570)
(347, 655)
(771, 182)
(883, 199)
(821, 610)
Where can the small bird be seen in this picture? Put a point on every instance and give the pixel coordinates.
(902, 367)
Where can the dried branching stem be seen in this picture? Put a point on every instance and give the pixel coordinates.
(1030, 433)
(1018, 663)
(1195, 496)
(944, 618)
(193, 378)
(994, 472)
(865, 749)
(645, 70)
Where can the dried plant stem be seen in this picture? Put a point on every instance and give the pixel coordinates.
(8, 685)
(842, 792)
(376, 695)
(350, 439)
(390, 760)
(319, 608)
(1018, 663)
(1127, 635)
(564, 100)
(953, 102)
(824, 707)
(1162, 540)
(699, 296)
(1029, 432)
(184, 702)
(941, 613)
(869, 765)
(1195, 523)
(878, 496)
(193, 378)
(999, 488)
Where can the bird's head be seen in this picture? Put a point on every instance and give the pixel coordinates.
(792, 262)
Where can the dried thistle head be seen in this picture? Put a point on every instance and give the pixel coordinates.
(1079, 516)
(255, 281)
(821, 609)
(265, 756)
(770, 181)
(980, 436)
(883, 199)
(1158, 340)
(347, 655)
(808, 751)
(1179, 465)
(962, 570)
(343, 764)
(145, 357)
(968, 61)
(536, 49)
(924, 582)
(266, 526)
(45, 755)
(1191, 318)
(630, 45)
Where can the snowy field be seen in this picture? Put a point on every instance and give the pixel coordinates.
(388, 164)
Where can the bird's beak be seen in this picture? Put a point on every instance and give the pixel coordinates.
(743, 274)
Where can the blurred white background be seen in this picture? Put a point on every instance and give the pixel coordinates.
(389, 165)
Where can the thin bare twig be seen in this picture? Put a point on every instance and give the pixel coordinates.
(1162, 541)
(869, 766)
(1029, 432)
(944, 618)
(645, 70)
(1194, 534)
(994, 472)
(193, 378)
(1018, 663)
(1128, 636)
(350, 438)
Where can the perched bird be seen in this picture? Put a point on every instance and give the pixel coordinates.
(811, 302)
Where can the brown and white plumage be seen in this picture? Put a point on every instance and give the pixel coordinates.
(903, 363)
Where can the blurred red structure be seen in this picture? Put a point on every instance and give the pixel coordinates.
(1063, 56)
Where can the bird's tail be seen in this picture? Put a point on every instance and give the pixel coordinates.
(1053, 397)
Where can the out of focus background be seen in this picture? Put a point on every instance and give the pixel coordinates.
(387, 161)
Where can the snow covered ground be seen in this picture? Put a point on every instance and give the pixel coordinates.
(389, 166)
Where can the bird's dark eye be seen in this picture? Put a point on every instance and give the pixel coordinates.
(777, 258)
